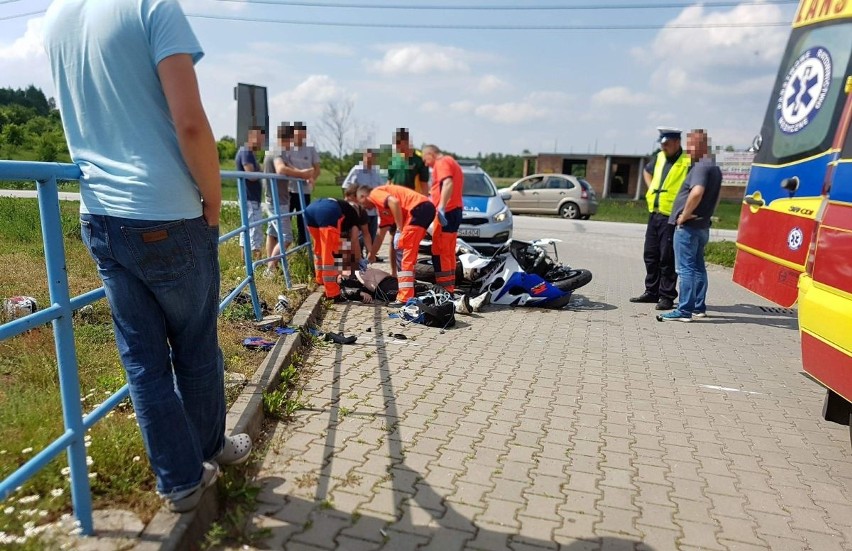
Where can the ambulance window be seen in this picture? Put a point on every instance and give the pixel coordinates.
(846, 153)
(809, 92)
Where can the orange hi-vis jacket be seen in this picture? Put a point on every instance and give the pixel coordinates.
(408, 200)
(447, 167)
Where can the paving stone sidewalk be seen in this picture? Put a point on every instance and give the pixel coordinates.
(590, 428)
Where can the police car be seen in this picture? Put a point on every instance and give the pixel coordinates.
(486, 220)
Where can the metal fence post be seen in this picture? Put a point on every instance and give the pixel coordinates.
(303, 227)
(66, 356)
(247, 254)
(276, 207)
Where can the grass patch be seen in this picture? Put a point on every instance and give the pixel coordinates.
(30, 407)
(620, 210)
(721, 252)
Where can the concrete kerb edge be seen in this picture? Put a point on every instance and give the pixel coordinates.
(170, 531)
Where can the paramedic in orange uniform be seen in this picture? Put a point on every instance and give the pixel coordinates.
(326, 220)
(411, 213)
(446, 195)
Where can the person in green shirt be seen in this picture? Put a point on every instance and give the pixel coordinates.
(407, 169)
(406, 166)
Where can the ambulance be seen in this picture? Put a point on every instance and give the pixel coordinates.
(794, 243)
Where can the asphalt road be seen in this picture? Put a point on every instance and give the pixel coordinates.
(526, 227)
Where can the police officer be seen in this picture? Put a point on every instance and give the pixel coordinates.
(664, 176)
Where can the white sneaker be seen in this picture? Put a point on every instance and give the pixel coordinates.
(189, 500)
(480, 302)
(699, 315)
(463, 305)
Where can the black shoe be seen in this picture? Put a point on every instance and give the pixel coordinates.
(337, 338)
(338, 299)
(665, 304)
(645, 297)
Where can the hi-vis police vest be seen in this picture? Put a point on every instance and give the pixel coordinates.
(668, 189)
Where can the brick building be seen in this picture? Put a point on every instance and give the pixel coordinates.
(615, 176)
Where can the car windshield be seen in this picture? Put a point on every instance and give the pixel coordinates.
(586, 185)
(477, 184)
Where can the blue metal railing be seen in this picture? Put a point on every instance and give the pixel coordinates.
(62, 305)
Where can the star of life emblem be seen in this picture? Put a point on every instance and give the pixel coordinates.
(804, 90)
(795, 239)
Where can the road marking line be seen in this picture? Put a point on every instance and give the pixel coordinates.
(727, 389)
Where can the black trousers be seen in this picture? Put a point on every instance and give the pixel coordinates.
(302, 237)
(660, 278)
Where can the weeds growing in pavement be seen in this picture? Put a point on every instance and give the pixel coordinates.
(286, 399)
(239, 497)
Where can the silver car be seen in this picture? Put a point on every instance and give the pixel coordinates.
(562, 194)
(486, 220)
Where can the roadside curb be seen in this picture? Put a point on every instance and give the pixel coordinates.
(170, 531)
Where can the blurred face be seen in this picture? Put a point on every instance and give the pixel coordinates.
(670, 147)
(697, 144)
(402, 146)
(429, 157)
(364, 199)
(255, 139)
(368, 158)
(300, 136)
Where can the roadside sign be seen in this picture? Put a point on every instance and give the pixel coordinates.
(735, 167)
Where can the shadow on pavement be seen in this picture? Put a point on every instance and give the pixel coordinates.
(443, 527)
(783, 318)
(581, 302)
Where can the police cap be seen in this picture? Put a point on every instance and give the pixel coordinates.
(667, 133)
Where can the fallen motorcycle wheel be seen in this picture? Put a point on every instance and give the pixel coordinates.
(569, 280)
(425, 271)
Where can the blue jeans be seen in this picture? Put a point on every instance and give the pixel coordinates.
(689, 246)
(162, 285)
(254, 214)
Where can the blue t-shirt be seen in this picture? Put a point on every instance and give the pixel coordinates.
(104, 57)
(245, 156)
(365, 177)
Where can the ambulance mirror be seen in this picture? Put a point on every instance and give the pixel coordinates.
(756, 143)
(790, 184)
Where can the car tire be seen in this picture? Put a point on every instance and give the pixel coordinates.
(572, 279)
(569, 210)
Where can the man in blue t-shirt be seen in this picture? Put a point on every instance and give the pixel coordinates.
(367, 173)
(694, 205)
(149, 211)
(247, 162)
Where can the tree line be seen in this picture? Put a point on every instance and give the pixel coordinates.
(31, 130)
(30, 126)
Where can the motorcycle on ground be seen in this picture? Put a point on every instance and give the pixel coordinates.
(519, 273)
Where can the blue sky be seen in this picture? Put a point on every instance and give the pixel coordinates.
(473, 91)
